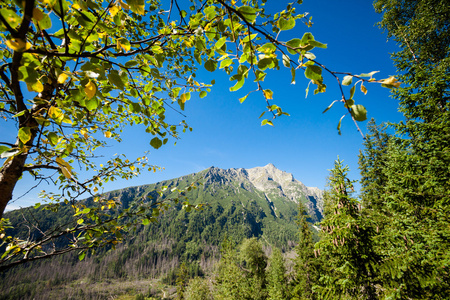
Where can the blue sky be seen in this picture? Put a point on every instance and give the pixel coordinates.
(228, 134)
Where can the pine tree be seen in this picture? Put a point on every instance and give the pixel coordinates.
(229, 282)
(253, 262)
(276, 276)
(307, 264)
(346, 244)
(412, 191)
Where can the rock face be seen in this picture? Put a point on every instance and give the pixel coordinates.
(274, 184)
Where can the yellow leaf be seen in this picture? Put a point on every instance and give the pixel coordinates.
(90, 89)
(391, 81)
(65, 167)
(132, 168)
(56, 114)
(114, 10)
(76, 6)
(363, 89)
(124, 44)
(62, 77)
(107, 134)
(18, 44)
(268, 94)
(37, 87)
(84, 133)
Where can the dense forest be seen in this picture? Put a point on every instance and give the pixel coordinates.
(391, 241)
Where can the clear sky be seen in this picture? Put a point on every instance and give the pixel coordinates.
(227, 134)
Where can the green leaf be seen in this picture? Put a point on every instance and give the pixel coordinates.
(86, 211)
(266, 122)
(45, 22)
(286, 61)
(24, 134)
(329, 106)
(347, 80)
(368, 74)
(3, 149)
(339, 125)
(11, 17)
(313, 72)
(203, 94)
(220, 42)
(352, 92)
(211, 65)
(92, 104)
(293, 75)
(266, 63)
(145, 221)
(243, 98)
(359, 112)
(53, 138)
(238, 85)
(225, 63)
(248, 12)
(20, 113)
(156, 143)
(82, 255)
(349, 103)
(286, 24)
(294, 43)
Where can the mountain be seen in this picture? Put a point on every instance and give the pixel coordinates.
(241, 203)
(276, 192)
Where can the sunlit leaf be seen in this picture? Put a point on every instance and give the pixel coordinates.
(286, 24)
(248, 12)
(347, 80)
(268, 94)
(313, 72)
(24, 134)
(90, 89)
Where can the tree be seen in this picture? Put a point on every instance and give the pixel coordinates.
(307, 264)
(229, 283)
(346, 243)
(253, 263)
(198, 289)
(411, 190)
(182, 280)
(92, 68)
(277, 287)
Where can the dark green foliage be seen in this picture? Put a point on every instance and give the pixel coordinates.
(406, 186)
(307, 264)
(346, 246)
(277, 284)
(182, 280)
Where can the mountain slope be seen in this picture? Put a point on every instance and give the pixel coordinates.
(242, 203)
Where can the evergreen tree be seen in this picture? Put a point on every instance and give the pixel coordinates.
(306, 269)
(407, 186)
(182, 280)
(346, 243)
(198, 289)
(276, 276)
(229, 282)
(253, 262)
